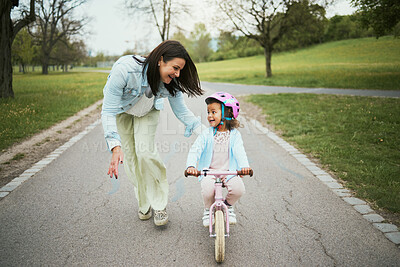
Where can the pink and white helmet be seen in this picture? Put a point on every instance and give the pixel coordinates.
(228, 100)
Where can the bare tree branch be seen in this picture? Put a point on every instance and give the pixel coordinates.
(163, 12)
(25, 21)
(153, 11)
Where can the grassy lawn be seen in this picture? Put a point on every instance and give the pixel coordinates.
(365, 63)
(355, 137)
(43, 100)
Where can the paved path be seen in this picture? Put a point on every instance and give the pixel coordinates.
(260, 89)
(70, 213)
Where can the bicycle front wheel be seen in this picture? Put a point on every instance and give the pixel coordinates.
(220, 236)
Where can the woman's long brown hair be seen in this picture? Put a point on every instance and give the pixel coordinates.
(188, 81)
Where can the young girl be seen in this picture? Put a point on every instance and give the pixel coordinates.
(220, 147)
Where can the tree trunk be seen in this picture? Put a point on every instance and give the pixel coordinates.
(268, 56)
(45, 68)
(5, 50)
(8, 30)
(45, 63)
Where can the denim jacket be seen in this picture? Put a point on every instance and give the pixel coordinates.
(202, 149)
(125, 83)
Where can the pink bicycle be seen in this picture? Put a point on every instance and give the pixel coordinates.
(218, 208)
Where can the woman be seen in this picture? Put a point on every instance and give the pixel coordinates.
(133, 98)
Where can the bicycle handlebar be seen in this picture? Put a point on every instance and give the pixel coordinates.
(215, 172)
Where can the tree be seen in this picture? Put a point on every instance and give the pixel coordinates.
(265, 21)
(160, 10)
(201, 40)
(381, 15)
(307, 24)
(345, 27)
(55, 23)
(9, 30)
(262, 20)
(187, 43)
(23, 49)
(68, 52)
(231, 46)
(226, 41)
(226, 46)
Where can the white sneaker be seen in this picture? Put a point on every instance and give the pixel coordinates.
(145, 216)
(160, 217)
(232, 215)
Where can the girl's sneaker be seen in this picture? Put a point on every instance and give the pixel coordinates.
(232, 215)
(206, 218)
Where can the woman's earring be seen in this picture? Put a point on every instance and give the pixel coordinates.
(159, 64)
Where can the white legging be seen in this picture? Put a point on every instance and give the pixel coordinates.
(142, 163)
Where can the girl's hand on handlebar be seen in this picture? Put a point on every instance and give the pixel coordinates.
(192, 171)
(246, 171)
(117, 157)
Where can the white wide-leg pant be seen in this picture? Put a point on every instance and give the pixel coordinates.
(142, 163)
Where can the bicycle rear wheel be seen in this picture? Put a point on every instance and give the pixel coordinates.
(220, 236)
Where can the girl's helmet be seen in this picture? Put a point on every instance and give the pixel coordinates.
(227, 100)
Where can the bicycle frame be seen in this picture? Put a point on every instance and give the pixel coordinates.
(219, 199)
(218, 205)
(218, 208)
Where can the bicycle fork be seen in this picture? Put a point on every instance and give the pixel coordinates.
(218, 205)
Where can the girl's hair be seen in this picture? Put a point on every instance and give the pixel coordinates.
(229, 124)
(188, 81)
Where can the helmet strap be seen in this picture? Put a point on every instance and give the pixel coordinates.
(222, 119)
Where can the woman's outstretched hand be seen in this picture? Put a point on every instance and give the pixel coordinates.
(117, 157)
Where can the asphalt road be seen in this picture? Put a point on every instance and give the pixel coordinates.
(70, 213)
(238, 89)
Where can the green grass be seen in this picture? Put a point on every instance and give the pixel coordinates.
(18, 156)
(366, 63)
(43, 100)
(355, 137)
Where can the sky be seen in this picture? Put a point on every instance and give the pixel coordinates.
(112, 31)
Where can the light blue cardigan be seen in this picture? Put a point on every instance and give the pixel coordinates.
(201, 151)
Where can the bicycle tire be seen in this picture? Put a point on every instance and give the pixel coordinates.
(220, 236)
